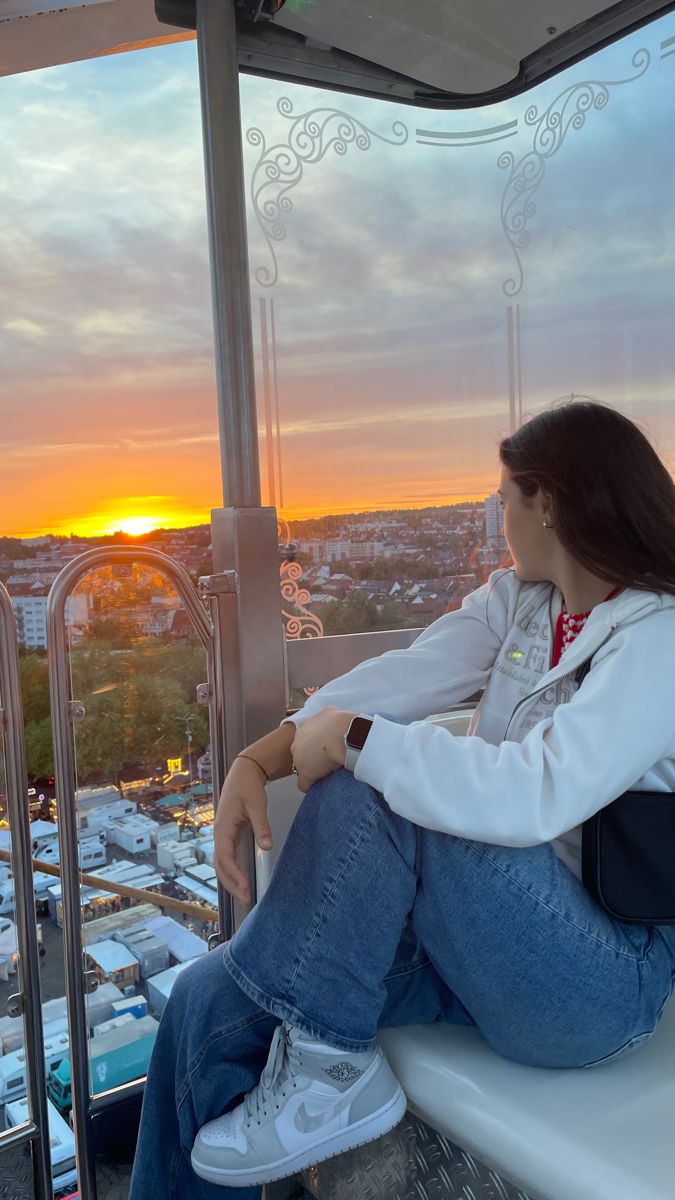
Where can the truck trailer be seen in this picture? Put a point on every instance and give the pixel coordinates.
(116, 1057)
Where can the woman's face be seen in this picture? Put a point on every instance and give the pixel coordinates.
(524, 533)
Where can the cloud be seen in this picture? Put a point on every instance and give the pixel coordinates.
(28, 329)
(390, 307)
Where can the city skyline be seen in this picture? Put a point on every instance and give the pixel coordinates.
(298, 521)
(391, 302)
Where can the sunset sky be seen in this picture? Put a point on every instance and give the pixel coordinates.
(390, 304)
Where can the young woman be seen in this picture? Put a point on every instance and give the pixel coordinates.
(434, 878)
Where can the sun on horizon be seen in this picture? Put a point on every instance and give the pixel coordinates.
(135, 526)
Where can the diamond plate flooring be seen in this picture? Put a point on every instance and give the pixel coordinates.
(413, 1162)
(16, 1175)
(16, 1178)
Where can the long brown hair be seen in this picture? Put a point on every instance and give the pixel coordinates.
(613, 499)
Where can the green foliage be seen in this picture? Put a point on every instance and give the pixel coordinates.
(39, 753)
(117, 630)
(13, 548)
(357, 614)
(136, 700)
(34, 687)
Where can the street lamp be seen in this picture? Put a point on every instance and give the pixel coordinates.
(188, 719)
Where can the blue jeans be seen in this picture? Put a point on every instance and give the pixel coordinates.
(371, 921)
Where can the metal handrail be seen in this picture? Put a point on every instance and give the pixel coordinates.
(37, 1129)
(64, 772)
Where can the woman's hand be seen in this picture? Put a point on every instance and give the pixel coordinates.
(243, 802)
(319, 745)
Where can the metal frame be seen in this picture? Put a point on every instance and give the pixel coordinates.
(27, 1001)
(244, 534)
(226, 212)
(64, 770)
(271, 50)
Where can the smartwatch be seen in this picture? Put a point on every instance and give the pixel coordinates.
(355, 739)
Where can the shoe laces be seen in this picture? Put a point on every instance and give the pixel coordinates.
(283, 1063)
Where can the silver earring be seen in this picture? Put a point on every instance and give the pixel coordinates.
(546, 526)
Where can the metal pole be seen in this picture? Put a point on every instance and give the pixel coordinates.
(520, 373)
(269, 440)
(64, 771)
(29, 977)
(276, 401)
(223, 666)
(244, 534)
(226, 208)
(512, 378)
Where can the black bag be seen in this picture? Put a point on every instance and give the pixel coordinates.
(628, 857)
(628, 854)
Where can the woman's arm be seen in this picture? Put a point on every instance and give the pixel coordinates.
(273, 751)
(243, 803)
(592, 749)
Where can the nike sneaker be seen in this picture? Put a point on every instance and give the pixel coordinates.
(312, 1102)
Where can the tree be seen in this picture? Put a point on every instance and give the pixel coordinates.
(34, 687)
(135, 700)
(116, 629)
(39, 750)
(357, 614)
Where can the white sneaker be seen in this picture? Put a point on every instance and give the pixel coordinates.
(312, 1102)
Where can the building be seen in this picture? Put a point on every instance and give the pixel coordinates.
(30, 611)
(494, 522)
(342, 549)
(113, 963)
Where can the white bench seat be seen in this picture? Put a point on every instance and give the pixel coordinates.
(606, 1133)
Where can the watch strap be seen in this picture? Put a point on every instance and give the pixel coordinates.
(352, 752)
(351, 757)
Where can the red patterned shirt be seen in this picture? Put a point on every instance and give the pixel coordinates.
(569, 625)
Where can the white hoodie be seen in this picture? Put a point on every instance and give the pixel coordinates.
(542, 753)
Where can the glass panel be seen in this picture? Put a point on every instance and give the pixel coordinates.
(144, 810)
(15, 1165)
(12, 1031)
(107, 345)
(422, 282)
(108, 375)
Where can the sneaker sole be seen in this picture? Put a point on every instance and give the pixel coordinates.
(366, 1130)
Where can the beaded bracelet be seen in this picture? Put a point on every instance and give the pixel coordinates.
(254, 760)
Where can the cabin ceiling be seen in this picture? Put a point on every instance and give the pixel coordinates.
(438, 53)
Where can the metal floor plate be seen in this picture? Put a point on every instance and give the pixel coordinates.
(16, 1177)
(413, 1162)
(16, 1174)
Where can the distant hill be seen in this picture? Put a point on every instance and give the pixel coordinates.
(307, 527)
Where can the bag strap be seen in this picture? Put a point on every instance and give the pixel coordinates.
(582, 671)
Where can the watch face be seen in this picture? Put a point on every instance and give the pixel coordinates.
(358, 732)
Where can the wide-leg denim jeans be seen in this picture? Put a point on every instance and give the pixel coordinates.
(371, 921)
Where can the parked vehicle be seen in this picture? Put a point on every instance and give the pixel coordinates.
(13, 1066)
(61, 1141)
(7, 904)
(115, 1057)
